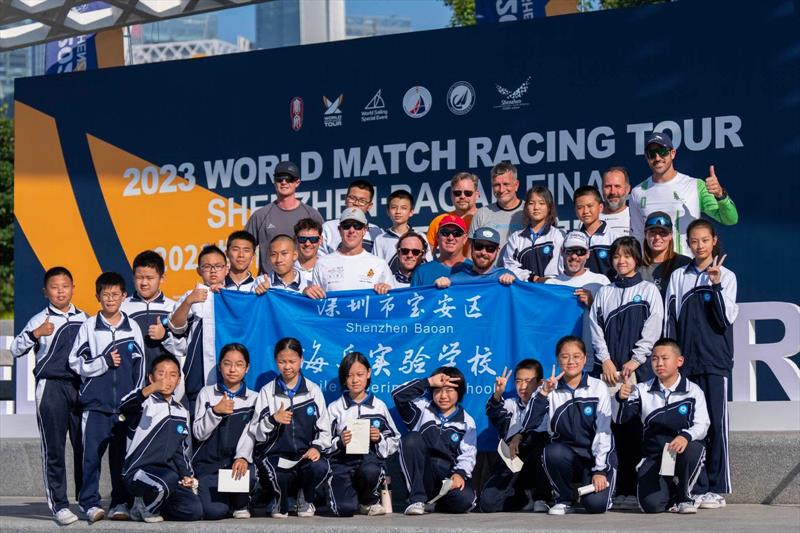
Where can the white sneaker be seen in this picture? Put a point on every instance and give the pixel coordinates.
(65, 517)
(306, 509)
(711, 500)
(415, 509)
(119, 512)
(560, 509)
(241, 513)
(540, 506)
(151, 518)
(375, 509)
(95, 514)
(276, 512)
(683, 508)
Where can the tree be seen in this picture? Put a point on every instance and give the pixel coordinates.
(463, 12)
(6, 213)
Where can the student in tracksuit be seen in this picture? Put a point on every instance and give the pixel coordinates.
(291, 431)
(356, 480)
(108, 354)
(240, 249)
(581, 447)
(158, 470)
(701, 309)
(534, 252)
(673, 411)
(588, 207)
(440, 443)
(51, 334)
(625, 320)
(505, 490)
(222, 413)
(151, 309)
(194, 318)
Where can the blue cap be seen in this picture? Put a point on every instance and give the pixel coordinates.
(660, 138)
(486, 234)
(658, 219)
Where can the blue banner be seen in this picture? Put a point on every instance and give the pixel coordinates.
(479, 327)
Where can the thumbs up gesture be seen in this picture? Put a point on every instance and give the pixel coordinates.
(224, 406)
(712, 184)
(282, 416)
(156, 331)
(45, 330)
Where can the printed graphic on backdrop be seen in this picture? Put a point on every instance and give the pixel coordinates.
(106, 166)
(480, 327)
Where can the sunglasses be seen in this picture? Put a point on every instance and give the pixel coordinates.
(286, 179)
(351, 224)
(478, 247)
(660, 232)
(468, 194)
(303, 240)
(451, 233)
(663, 151)
(416, 252)
(580, 252)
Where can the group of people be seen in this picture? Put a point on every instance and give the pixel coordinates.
(647, 378)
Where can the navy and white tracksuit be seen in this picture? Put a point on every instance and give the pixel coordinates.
(103, 388)
(200, 364)
(158, 456)
(435, 447)
(216, 439)
(269, 444)
(626, 320)
(145, 313)
(581, 443)
(505, 490)
(357, 479)
(58, 410)
(530, 254)
(666, 413)
(600, 242)
(700, 317)
(246, 285)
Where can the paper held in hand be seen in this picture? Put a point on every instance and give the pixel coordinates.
(226, 482)
(446, 484)
(667, 462)
(615, 389)
(515, 464)
(359, 436)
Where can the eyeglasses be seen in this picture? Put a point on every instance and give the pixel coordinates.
(663, 151)
(286, 179)
(303, 240)
(466, 193)
(110, 297)
(351, 224)
(238, 365)
(451, 233)
(212, 268)
(479, 247)
(355, 200)
(416, 252)
(570, 357)
(580, 252)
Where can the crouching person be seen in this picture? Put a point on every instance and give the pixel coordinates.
(441, 443)
(157, 469)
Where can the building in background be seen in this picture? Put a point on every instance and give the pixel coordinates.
(18, 63)
(374, 25)
(292, 22)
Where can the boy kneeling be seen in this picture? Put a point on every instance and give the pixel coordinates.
(158, 469)
(673, 411)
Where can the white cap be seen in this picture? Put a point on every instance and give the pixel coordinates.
(576, 239)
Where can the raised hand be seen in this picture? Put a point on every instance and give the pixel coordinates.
(156, 331)
(550, 384)
(625, 391)
(500, 383)
(199, 294)
(715, 270)
(443, 380)
(45, 330)
(282, 416)
(712, 184)
(224, 406)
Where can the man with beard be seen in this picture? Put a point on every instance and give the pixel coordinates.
(485, 245)
(616, 188)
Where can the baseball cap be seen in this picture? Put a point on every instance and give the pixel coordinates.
(660, 138)
(353, 213)
(658, 219)
(576, 239)
(287, 168)
(486, 234)
(453, 220)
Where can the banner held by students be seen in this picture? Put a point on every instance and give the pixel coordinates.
(478, 327)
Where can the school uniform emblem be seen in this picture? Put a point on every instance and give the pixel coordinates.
(131, 346)
(706, 297)
(637, 298)
(683, 409)
(180, 429)
(547, 250)
(588, 411)
(454, 437)
(602, 254)
(310, 410)
(376, 423)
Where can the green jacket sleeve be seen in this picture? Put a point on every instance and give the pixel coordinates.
(723, 210)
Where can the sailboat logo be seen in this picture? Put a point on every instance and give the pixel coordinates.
(375, 109)
(417, 102)
(461, 98)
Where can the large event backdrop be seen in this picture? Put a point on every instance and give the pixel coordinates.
(173, 155)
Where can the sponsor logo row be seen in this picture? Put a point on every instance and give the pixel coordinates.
(417, 102)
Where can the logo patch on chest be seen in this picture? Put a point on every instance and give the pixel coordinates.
(588, 410)
(602, 254)
(310, 410)
(454, 437)
(706, 297)
(683, 409)
(376, 423)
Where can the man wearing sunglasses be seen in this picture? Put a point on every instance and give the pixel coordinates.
(575, 253)
(360, 195)
(350, 266)
(464, 194)
(452, 236)
(682, 197)
(308, 235)
(484, 248)
(279, 216)
(412, 249)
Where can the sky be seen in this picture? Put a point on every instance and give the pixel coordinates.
(424, 15)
